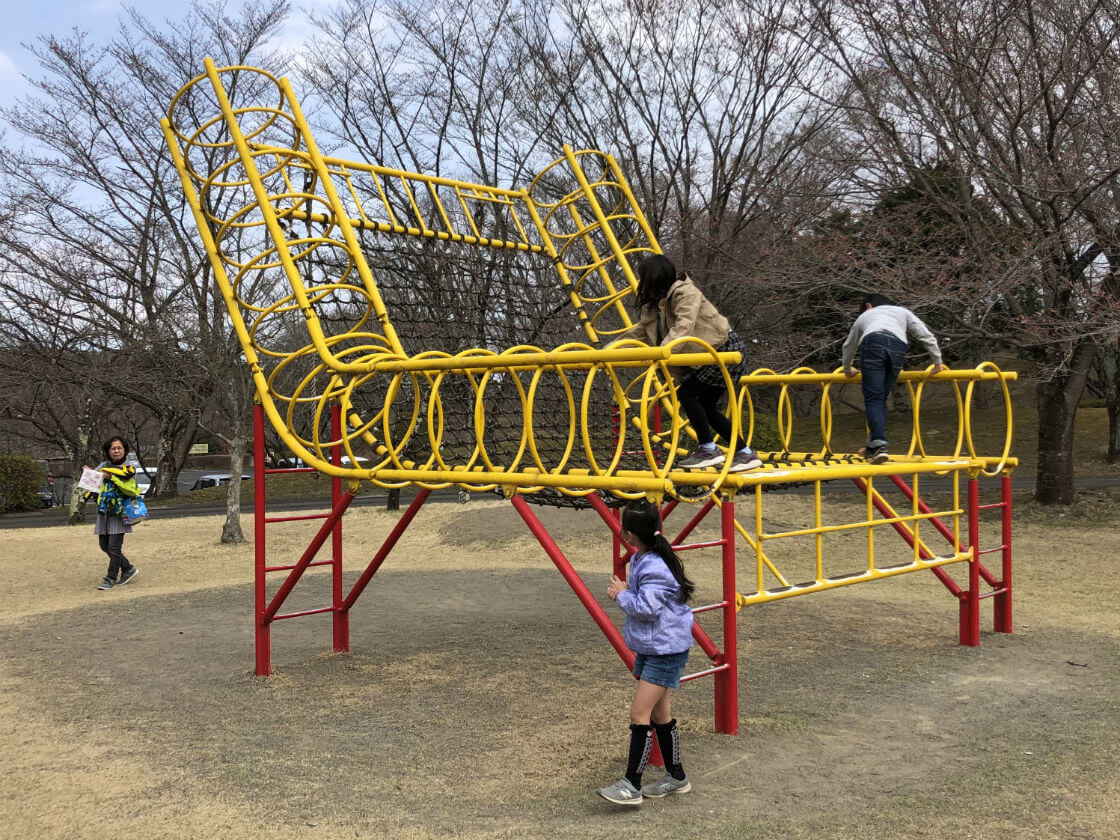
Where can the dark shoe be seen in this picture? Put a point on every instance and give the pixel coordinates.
(875, 454)
(127, 576)
(700, 458)
(108, 583)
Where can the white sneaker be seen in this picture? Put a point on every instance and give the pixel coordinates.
(621, 793)
(666, 785)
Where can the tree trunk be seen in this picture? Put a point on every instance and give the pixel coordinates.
(77, 513)
(393, 500)
(1057, 400)
(1110, 366)
(176, 434)
(231, 529)
(1113, 433)
(77, 505)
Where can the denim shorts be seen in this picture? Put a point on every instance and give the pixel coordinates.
(661, 669)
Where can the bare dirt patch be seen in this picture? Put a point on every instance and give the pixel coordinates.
(480, 701)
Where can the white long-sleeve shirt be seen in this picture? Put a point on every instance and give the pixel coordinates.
(896, 320)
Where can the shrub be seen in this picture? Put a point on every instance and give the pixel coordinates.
(21, 479)
(765, 437)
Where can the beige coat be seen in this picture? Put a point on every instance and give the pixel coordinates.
(684, 311)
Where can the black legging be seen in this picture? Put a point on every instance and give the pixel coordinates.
(112, 544)
(700, 402)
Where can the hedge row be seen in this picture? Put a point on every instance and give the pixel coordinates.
(21, 479)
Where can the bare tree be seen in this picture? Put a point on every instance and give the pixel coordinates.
(100, 221)
(1004, 90)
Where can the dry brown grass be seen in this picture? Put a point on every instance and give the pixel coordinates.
(480, 701)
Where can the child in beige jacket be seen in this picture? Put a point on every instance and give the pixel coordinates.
(670, 306)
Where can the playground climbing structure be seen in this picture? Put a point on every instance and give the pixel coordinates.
(294, 236)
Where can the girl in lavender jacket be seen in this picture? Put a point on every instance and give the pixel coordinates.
(659, 630)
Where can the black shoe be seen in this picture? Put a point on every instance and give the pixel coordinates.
(108, 583)
(875, 454)
(127, 576)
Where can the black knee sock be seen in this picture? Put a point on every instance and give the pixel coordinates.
(641, 741)
(670, 743)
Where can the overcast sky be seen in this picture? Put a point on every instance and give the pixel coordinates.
(23, 21)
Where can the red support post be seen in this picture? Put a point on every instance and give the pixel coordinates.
(618, 550)
(341, 618)
(612, 518)
(1002, 602)
(727, 680)
(262, 630)
(970, 601)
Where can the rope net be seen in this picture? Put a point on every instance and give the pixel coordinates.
(430, 310)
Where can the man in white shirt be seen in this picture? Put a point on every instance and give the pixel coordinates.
(881, 333)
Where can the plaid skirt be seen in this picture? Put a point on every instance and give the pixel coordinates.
(712, 375)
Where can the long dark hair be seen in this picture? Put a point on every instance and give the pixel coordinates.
(643, 520)
(656, 273)
(105, 447)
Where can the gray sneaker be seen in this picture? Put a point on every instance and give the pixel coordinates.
(666, 785)
(742, 462)
(127, 576)
(700, 458)
(108, 583)
(621, 793)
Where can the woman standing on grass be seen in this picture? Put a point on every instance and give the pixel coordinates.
(658, 629)
(118, 483)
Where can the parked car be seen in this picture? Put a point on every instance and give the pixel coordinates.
(216, 480)
(144, 478)
(288, 462)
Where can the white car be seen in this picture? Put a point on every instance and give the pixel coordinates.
(144, 480)
(216, 480)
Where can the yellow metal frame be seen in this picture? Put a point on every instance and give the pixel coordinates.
(253, 175)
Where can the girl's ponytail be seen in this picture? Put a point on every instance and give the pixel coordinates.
(643, 520)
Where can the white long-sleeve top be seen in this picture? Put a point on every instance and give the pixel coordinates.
(896, 320)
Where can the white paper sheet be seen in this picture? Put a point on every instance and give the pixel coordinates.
(91, 480)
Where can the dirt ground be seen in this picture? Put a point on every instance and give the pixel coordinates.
(480, 701)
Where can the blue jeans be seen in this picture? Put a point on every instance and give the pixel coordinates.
(881, 356)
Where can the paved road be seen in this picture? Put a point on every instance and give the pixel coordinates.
(57, 516)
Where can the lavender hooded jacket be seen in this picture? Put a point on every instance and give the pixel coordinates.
(656, 621)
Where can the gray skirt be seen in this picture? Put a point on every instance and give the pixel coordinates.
(106, 524)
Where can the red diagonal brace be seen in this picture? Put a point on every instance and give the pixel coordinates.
(308, 555)
(572, 577)
(386, 547)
